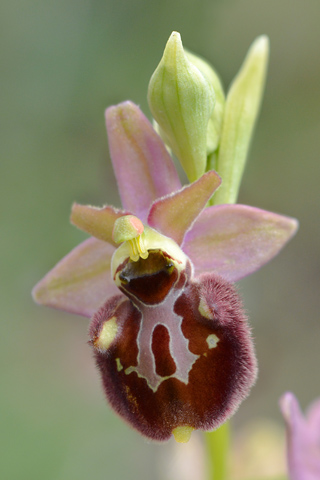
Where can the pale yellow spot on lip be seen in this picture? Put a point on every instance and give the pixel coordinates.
(107, 335)
(119, 366)
(182, 434)
(212, 340)
(204, 309)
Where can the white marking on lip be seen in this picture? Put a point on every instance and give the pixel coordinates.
(178, 344)
(212, 340)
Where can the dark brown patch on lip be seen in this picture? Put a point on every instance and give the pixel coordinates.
(165, 365)
(149, 279)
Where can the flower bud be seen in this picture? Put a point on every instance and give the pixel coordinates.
(181, 100)
(215, 121)
(241, 111)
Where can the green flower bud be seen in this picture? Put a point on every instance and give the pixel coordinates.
(181, 100)
(241, 111)
(215, 121)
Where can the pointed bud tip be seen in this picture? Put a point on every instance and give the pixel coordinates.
(122, 107)
(174, 41)
(261, 45)
(173, 49)
(175, 36)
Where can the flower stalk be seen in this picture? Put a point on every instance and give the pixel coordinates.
(217, 444)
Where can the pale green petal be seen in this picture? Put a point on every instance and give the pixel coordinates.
(98, 222)
(174, 214)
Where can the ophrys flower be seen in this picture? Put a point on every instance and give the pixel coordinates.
(168, 329)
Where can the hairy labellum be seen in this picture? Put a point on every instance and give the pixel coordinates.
(175, 352)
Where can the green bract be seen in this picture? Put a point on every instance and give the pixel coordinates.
(241, 110)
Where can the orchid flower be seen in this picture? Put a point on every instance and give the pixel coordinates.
(168, 330)
(303, 438)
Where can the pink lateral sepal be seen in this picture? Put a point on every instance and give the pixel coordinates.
(236, 240)
(81, 281)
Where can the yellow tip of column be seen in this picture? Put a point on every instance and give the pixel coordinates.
(182, 434)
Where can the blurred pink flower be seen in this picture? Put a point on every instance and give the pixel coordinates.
(303, 438)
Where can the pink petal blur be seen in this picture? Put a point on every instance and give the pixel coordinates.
(303, 438)
(236, 240)
(81, 281)
(175, 214)
(143, 167)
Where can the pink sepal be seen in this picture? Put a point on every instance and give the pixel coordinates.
(81, 281)
(143, 167)
(236, 240)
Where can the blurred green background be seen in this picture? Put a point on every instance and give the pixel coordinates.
(62, 63)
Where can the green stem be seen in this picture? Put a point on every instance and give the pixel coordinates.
(218, 452)
(212, 165)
